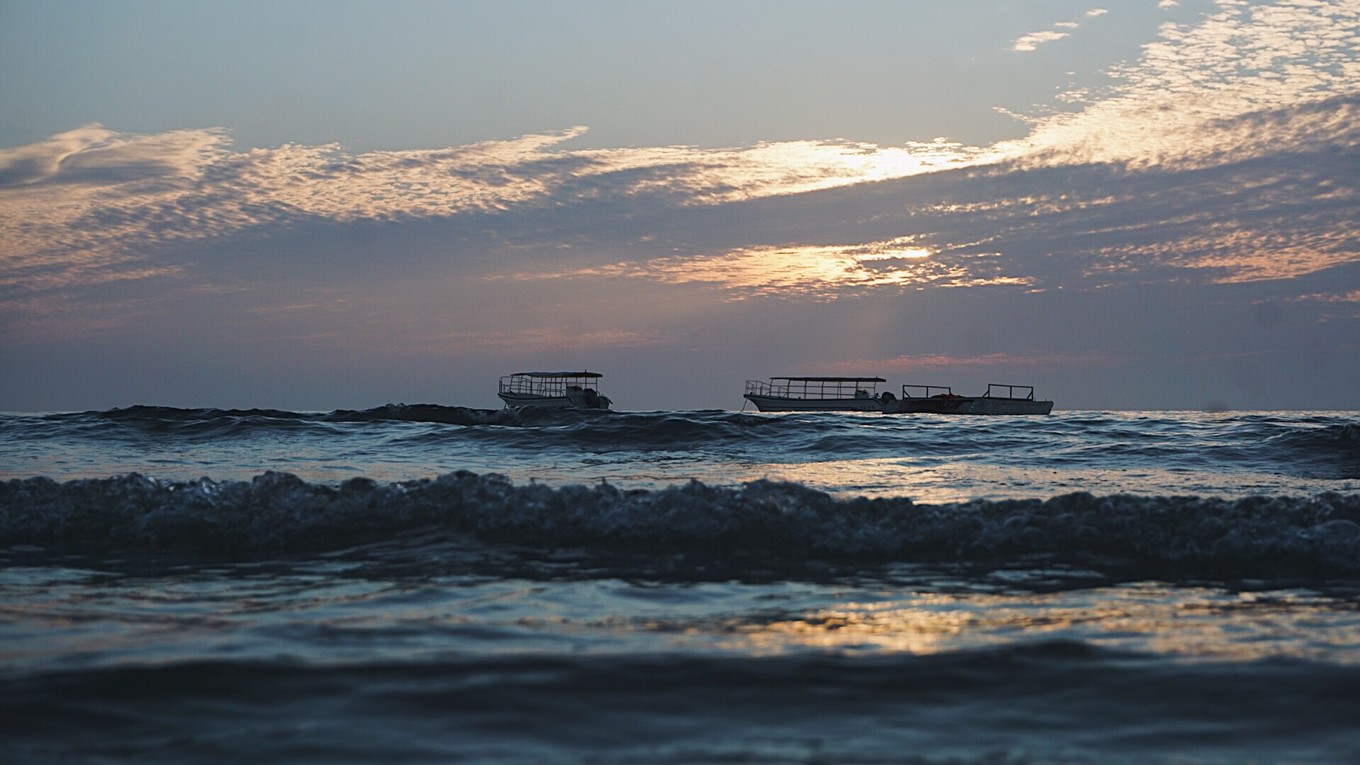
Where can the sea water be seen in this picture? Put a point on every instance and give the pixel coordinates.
(441, 584)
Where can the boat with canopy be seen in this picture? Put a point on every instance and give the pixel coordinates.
(576, 390)
(815, 394)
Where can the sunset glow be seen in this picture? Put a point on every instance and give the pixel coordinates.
(1197, 162)
(680, 381)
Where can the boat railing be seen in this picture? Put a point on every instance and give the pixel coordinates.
(533, 386)
(815, 387)
(762, 388)
(1026, 391)
(927, 391)
(540, 385)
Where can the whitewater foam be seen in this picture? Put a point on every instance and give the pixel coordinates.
(782, 522)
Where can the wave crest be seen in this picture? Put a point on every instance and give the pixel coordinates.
(775, 522)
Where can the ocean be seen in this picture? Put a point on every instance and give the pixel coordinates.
(438, 584)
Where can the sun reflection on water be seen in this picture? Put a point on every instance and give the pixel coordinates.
(1146, 617)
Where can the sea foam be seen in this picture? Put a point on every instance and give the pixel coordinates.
(778, 521)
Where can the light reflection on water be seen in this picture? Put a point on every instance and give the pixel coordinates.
(932, 480)
(65, 617)
(925, 480)
(1172, 622)
(929, 460)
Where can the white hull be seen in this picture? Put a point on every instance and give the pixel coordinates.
(573, 400)
(519, 399)
(968, 405)
(951, 405)
(984, 405)
(783, 404)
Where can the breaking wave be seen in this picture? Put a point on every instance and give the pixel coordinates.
(782, 524)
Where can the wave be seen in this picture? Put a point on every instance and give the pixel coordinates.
(1329, 451)
(1333, 437)
(526, 427)
(768, 523)
(1315, 445)
(211, 419)
(1057, 701)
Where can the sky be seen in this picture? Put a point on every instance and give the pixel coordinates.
(337, 205)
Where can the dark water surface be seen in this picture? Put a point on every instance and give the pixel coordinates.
(439, 584)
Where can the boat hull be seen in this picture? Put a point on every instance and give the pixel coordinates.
(985, 405)
(573, 400)
(783, 404)
(950, 405)
(981, 405)
(522, 399)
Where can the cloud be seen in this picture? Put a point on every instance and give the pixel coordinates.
(1224, 161)
(1352, 296)
(1247, 81)
(931, 363)
(93, 205)
(818, 271)
(91, 160)
(87, 202)
(539, 339)
(65, 203)
(1032, 41)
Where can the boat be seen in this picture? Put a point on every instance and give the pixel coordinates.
(815, 394)
(553, 389)
(1000, 398)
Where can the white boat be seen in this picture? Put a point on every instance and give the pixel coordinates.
(815, 394)
(553, 389)
(1000, 398)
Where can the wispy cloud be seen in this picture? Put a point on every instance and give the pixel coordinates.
(1032, 41)
(538, 339)
(1352, 296)
(817, 271)
(86, 203)
(1247, 81)
(93, 205)
(1061, 30)
(931, 363)
(1222, 155)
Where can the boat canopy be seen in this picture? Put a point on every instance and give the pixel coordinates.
(815, 393)
(588, 375)
(833, 379)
